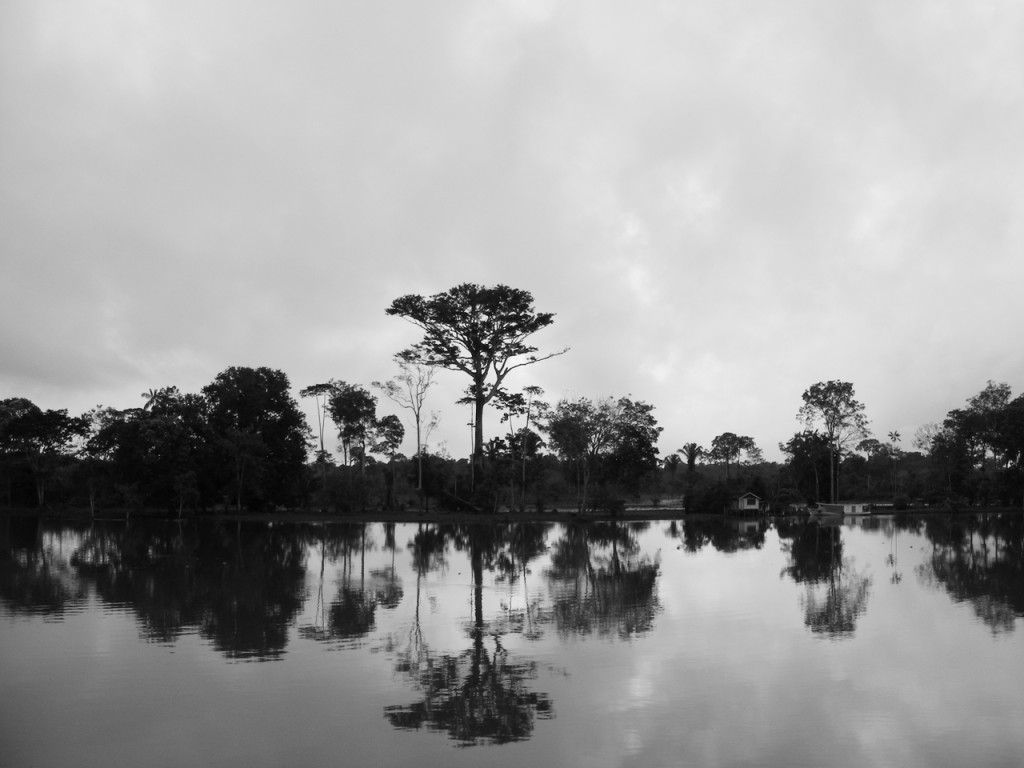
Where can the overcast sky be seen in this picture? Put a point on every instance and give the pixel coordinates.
(723, 201)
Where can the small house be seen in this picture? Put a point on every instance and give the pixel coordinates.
(747, 503)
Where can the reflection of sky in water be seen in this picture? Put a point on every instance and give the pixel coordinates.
(728, 672)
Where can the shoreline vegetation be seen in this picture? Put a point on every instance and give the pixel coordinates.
(242, 445)
(548, 515)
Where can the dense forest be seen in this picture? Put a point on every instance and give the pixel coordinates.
(242, 444)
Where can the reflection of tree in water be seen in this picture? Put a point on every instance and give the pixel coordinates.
(524, 542)
(152, 569)
(481, 695)
(980, 560)
(835, 594)
(257, 594)
(429, 547)
(239, 585)
(35, 573)
(600, 581)
(351, 616)
(725, 535)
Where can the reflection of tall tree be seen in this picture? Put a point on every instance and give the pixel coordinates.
(524, 542)
(835, 594)
(352, 613)
(813, 550)
(979, 559)
(479, 696)
(428, 546)
(891, 527)
(833, 611)
(601, 582)
(725, 535)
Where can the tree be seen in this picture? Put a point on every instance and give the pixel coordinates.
(580, 431)
(479, 331)
(320, 394)
(894, 455)
(924, 436)
(42, 439)
(160, 455)
(388, 434)
(258, 427)
(691, 452)
(671, 463)
(635, 447)
(871, 448)
(986, 408)
(809, 459)
(528, 440)
(150, 396)
(408, 389)
(832, 405)
(728, 446)
(354, 411)
(521, 441)
(614, 437)
(1009, 443)
(968, 443)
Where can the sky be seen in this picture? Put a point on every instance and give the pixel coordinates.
(722, 201)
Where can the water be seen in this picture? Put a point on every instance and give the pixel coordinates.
(890, 642)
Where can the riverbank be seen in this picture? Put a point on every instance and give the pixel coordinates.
(443, 516)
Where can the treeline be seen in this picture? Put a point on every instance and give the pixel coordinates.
(975, 456)
(242, 443)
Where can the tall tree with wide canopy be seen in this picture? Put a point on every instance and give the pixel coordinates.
(832, 404)
(478, 330)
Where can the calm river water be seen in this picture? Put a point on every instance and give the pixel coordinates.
(878, 642)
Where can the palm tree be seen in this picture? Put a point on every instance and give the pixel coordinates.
(150, 397)
(691, 452)
(894, 437)
(671, 463)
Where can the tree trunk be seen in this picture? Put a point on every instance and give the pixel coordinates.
(478, 434)
(419, 455)
(833, 472)
(239, 477)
